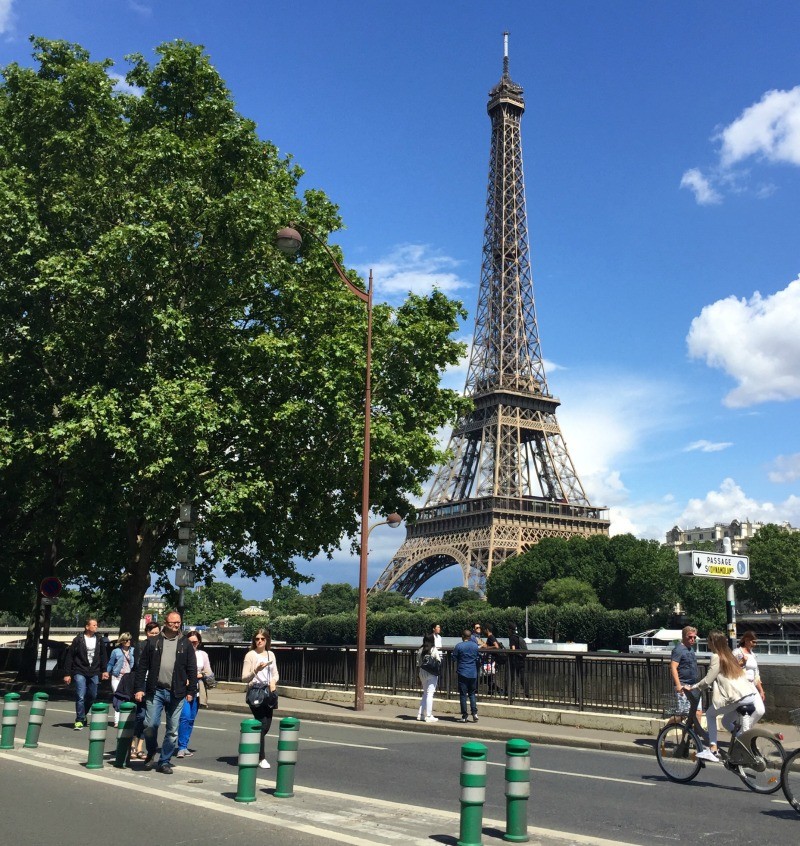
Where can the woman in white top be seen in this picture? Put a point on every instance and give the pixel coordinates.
(189, 712)
(729, 689)
(747, 660)
(260, 667)
(428, 678)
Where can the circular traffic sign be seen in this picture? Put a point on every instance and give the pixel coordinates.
(50, 587)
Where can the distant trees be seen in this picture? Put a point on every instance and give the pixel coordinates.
(774, 568)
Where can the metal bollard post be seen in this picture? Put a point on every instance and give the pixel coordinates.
(127, 717)
(98, 726)
(249, 738)
(10, 716)
(473, 793)
(35, 720)
(518, 790)
(288, 744)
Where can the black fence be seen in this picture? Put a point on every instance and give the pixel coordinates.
(576, 681)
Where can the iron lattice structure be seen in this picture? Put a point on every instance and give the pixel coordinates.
(510, 481)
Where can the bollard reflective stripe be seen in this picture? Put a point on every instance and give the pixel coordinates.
(98, 728)
(127, 719)
(248, 749)
(249, 741)
(9, 723)
(288, 746)
(473, 793)
(518, 789)
(35, 720)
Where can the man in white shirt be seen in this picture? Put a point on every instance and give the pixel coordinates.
(85, 663)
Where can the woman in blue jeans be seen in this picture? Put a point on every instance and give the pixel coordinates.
(190, 708)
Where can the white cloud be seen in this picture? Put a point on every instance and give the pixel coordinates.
(730, 502)
(6, 16)
(120, 84)
(703, 191)
(786, 468)
(769, 131)
(416, 268)
(754, 341)
(707, 446)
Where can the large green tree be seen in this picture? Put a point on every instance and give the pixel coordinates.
(156, 347)
(213, 602)
(774, 568)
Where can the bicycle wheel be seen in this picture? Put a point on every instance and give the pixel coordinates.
(676, 752)
(790, 779)
(769, 780)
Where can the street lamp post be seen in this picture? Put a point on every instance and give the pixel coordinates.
(289, 241)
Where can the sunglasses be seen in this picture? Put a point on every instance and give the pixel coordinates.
(259, 638)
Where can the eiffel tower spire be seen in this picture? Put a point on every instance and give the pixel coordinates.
(510, 480)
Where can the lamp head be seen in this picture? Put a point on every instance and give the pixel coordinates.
(288, 241)
(394, 520)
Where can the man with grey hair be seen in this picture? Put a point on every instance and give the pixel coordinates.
(166, 676)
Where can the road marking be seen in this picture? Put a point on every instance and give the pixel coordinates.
(72, 711)
(581, 775)
(342, 743)
(114, 778)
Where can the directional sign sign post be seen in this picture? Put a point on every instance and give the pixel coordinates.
(714, 565)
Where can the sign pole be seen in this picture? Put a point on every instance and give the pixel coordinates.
(730, 597)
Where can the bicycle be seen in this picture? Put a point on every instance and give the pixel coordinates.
(790, 773)
(755, 755)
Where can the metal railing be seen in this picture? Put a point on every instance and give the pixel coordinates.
(577, 681)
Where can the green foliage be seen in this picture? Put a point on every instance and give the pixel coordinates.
(703, 602)
(568, 590)
(287, 600)
(157, 347)
(250, 625)
(389, 600)
(215, 601)
(289, 627)
(457, 596)
(338, 598)
(774, 568)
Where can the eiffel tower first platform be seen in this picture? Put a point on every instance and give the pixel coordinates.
(510, 481)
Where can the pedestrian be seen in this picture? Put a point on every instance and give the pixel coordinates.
(467, 659)
(119, 667)
(747, 660)
(430, 665)
(490, 660)
(730, 689)
(191, 706)
(683, 669)
(85, 664)
(475, 637)
(517, 665)
(166, 675)
(151, 629)
(436, 631)
(260, 667)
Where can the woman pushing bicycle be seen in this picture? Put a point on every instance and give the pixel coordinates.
(729, 686)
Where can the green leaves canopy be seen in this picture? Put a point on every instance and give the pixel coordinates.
(156, 347)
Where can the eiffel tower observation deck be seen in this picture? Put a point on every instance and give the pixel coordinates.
(510, 480)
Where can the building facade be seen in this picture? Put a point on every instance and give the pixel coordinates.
(739, 532)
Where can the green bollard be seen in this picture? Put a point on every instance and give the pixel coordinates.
(473, 793)
(249, 740)
(35, 720)
(127, 718)
(518, 790)
(10, 716)
(288, 744)
(98, 726)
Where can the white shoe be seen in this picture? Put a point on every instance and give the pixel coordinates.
(264, 764)
(707, 755)
(431, 719)
(419, 718)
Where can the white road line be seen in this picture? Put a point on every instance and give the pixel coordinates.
(342, 743)
(582, 775)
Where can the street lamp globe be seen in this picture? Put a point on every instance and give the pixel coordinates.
(394, 520)
(288, 241)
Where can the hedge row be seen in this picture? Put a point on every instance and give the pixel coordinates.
(592, 624)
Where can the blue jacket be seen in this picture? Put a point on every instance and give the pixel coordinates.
(467, 658)
(115, 662)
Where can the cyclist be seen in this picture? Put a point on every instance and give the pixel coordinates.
(729, 689)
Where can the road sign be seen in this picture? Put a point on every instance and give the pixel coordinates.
(714, 565)
(50, 587)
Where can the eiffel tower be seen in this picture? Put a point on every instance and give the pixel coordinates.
(510, 481)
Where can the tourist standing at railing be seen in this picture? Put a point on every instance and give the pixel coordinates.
(517, 671)
(436, 631)
(748, 662)
(490, 660)
(683, 669)
(430, 665)
(467, 659)
(261, 668)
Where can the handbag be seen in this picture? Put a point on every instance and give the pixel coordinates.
(209, 679)
(430, 664)
(256, 695)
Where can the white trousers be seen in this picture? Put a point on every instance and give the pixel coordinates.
(429, 681)
(729, 715)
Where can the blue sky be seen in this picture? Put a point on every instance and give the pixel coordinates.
(662, 166)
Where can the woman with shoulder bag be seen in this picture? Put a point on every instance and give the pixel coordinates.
(260, 671)
(430, 665)
(190, 708)
(748, 662)
(120, 664)
(729, 689)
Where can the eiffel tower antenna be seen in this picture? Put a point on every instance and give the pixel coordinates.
(510, 481)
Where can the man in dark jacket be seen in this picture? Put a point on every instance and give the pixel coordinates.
(516, 662)
(466, 656)
(166, 675)
(85, 663)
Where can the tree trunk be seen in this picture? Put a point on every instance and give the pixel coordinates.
(144, 540)
(30, 652)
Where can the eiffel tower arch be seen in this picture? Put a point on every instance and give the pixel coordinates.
(510, 480)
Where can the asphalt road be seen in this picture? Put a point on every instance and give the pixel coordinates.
(605, 795)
